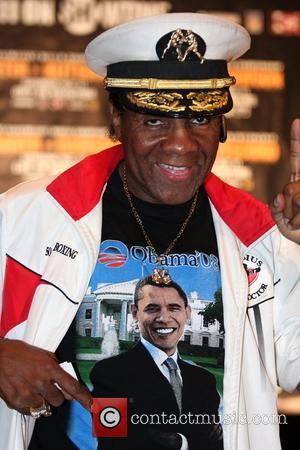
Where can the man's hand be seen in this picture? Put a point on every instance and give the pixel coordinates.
(286, 205)
(28, 375)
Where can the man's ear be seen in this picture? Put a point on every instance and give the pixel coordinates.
(115, 120)
(223, 129)
(134, 311)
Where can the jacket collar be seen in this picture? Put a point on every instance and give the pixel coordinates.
(79, 189)
(247, 217)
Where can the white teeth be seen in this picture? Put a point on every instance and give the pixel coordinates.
(174, 168)
(164, 330)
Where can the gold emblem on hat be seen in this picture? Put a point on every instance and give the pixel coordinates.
(161, 101)
(178, 39)
(166, 101)
(207, 101)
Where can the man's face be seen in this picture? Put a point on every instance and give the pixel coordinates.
(167, 159)
(161, 315)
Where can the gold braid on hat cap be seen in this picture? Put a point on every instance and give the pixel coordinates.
(155, 83)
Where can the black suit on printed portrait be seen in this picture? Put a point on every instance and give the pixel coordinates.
(135, 375)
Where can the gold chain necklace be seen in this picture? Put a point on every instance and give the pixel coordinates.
(140, 223)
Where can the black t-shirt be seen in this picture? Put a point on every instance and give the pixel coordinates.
(161, 222)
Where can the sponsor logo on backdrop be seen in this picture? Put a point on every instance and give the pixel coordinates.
(285, 23)
(78, 17)
(254, 21)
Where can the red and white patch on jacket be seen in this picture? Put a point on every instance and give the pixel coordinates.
(252, 273)
(259, 280)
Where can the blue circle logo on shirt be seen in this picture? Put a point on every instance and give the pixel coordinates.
(113, 254)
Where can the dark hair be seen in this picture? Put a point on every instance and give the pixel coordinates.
(147, 281)
(114, 98)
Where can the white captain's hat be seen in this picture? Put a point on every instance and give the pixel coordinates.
(173, 64)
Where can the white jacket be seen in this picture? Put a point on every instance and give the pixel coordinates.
(50, 237)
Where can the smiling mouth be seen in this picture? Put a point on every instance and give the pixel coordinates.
(175, 169)
(164, 331)
(175, 173)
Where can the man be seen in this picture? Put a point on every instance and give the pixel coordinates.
(142, 375)
(167, 110)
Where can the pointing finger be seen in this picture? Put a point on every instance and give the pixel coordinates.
(295, 151)
(72, 388)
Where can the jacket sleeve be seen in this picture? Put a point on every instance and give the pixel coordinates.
(287, 313)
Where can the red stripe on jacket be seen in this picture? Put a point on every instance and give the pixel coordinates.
(79, 189)
(20, 284)
(246, 216)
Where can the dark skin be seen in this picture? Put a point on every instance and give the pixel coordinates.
(167, 160)
(286, 205)
(28, 374)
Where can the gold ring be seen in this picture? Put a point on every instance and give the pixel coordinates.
(42, 411)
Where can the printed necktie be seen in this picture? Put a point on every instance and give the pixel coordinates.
(175, 380)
